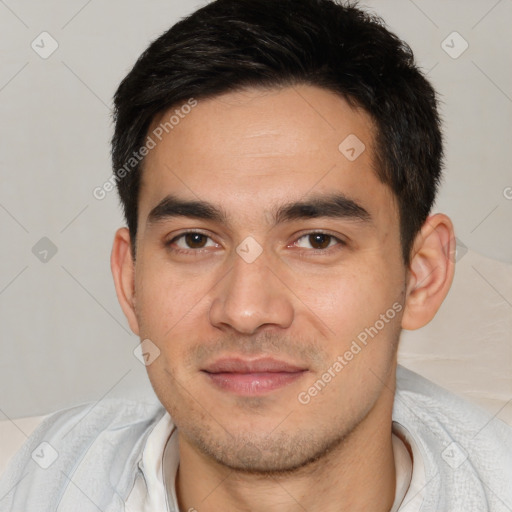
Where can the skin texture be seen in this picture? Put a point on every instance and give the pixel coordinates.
(249, 153)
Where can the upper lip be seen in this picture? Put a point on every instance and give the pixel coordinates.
(260, 365)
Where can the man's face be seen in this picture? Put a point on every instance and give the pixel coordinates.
(291, 265)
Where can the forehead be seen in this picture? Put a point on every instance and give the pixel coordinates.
(260, 148)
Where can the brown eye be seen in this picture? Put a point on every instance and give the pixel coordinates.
(192, 243)
(319, 240)
(195, 240)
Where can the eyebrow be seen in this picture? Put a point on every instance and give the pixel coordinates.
(172, 206)
(333, 206)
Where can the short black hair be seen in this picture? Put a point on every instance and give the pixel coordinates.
(229, 45)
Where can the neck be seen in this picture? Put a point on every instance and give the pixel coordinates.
(357, 475)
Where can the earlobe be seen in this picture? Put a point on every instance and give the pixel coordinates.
(123, 272)
(431, 271)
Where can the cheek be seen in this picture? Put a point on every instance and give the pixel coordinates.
(362, 310)
(167, 299)
(173, 311)
(349, 300)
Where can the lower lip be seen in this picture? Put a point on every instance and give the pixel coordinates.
(252, 384)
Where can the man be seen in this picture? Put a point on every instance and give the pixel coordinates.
(277, 162)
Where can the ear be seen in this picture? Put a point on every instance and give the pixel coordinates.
(123, 271)
(431, 271)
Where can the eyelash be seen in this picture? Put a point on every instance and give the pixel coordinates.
(185, 251)
(340, 243)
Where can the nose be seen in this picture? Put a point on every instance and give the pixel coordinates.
(251, 296)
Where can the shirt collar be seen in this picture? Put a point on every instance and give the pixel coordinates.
(160, 456)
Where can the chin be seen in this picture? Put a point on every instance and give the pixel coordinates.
(266, 454)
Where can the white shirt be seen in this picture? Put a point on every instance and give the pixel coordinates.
(149, 492)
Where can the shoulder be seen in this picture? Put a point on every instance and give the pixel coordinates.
(100, 416)
(80, 425)
(13, 433)
(81, 444)
(466, 451)
(421, 398)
